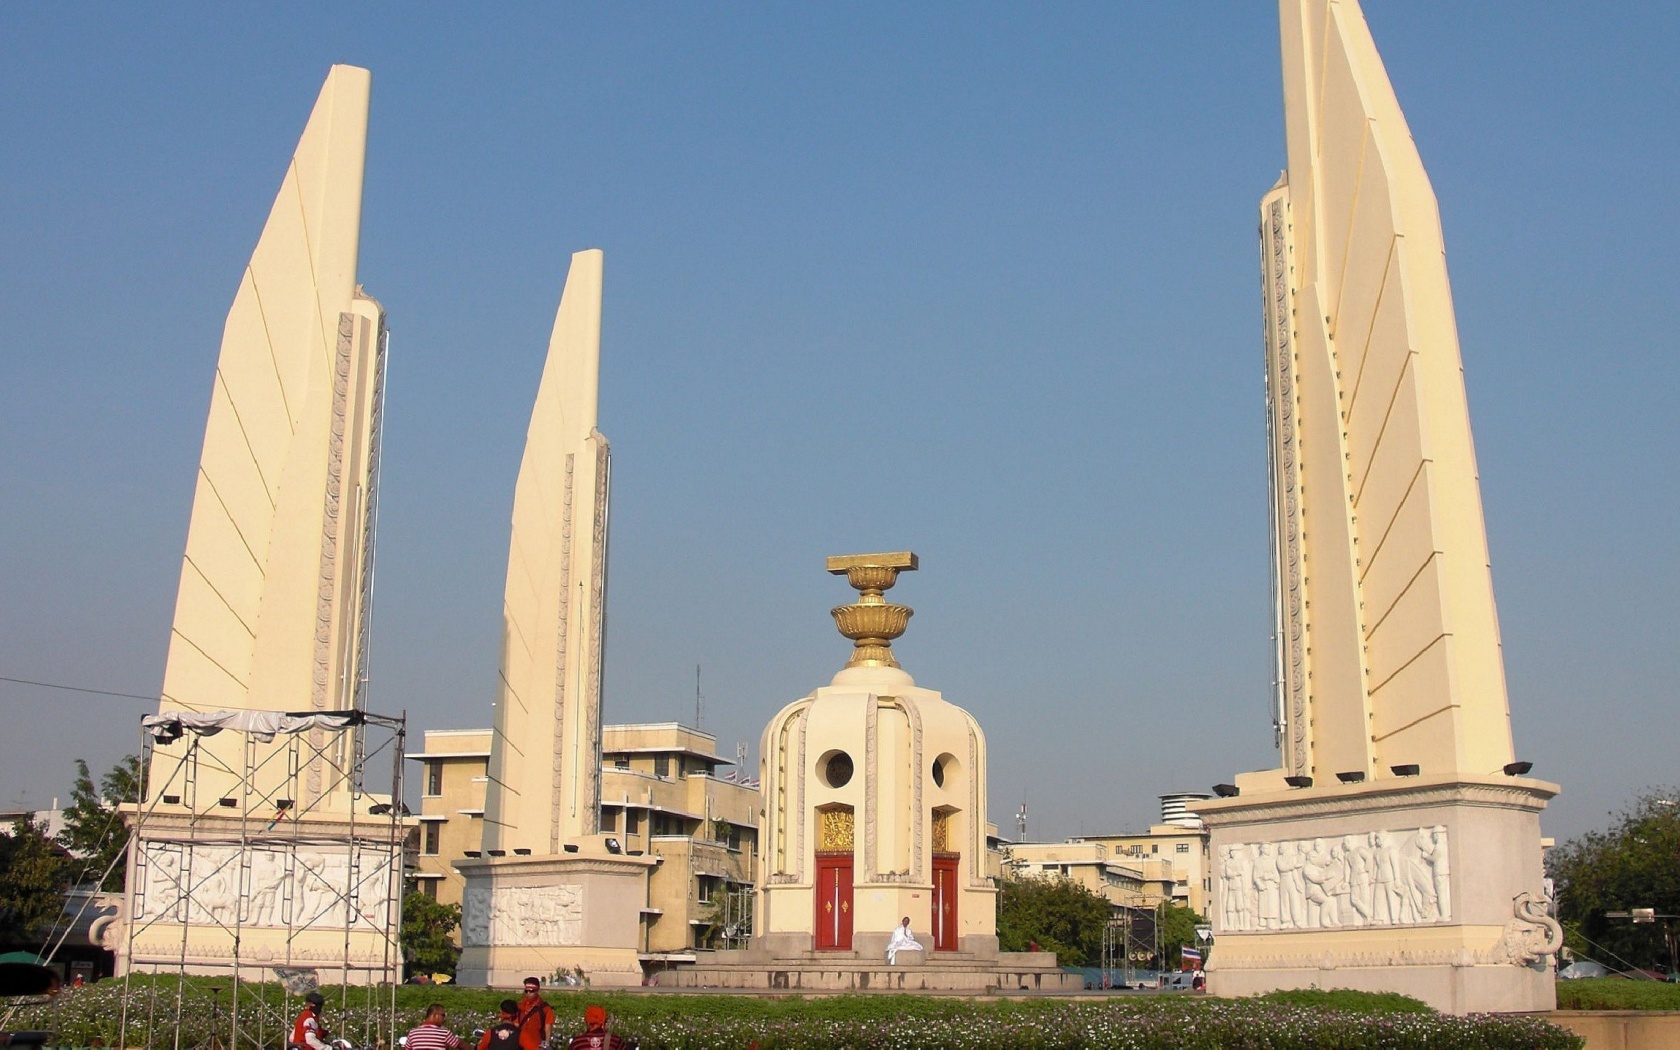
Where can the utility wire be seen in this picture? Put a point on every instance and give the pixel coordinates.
(77, 689)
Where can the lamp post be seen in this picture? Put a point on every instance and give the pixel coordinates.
(1651, 915)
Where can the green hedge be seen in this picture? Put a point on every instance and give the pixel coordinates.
(667, 1021)
(1617, 993)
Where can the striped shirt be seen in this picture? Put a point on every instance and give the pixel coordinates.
(434, 1037)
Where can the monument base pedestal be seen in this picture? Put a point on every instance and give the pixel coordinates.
(573, 913)
(1432, 888)
(213, 895)
(775, 963)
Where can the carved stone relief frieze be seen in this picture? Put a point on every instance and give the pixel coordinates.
(524, 916)
(308, 887)
(1378, 878)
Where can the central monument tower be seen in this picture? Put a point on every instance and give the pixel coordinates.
(874, 794)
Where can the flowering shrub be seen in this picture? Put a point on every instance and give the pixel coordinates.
(871, 1022)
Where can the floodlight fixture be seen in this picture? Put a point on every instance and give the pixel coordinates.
(1410, 769)
(1226, 790)
(1355, 776)
(1517, 769)
(1299, 782)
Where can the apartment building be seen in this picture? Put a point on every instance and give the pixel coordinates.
(1125, 880)
(1180, 839)
(661, 795)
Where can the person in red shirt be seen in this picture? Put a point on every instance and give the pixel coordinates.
(504, 1034)
(597, 1034)
(309, 1032)
(535, 1017)
(432, 1035)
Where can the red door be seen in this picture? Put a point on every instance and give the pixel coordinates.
(834, 902)
(945, 867)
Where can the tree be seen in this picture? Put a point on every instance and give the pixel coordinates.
(93, 830)
(1058, 915)
(34, 873)
(1634, 864)
(427, 946)
(1177, 925)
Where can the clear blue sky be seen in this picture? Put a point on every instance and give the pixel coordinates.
(978, 281)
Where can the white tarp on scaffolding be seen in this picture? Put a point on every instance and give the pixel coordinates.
(170, 726)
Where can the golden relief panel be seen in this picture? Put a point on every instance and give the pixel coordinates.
(941, 832)
(834, 830)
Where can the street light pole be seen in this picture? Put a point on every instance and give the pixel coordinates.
(1651, 915)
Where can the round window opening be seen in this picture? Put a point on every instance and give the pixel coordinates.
(837, 770)
(944, 768)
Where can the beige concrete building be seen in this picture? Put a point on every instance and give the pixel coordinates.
(1397, 846)
(1127, 880)
(662, 797)
(1180, 840)
(454, 768)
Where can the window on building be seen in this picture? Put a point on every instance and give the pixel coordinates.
(703, 892)
(432, 834)
(621, 761)
(1154, 847)
(661, 765)
(429, 887)
(632, 822)
(434, 777)
(1184, 847)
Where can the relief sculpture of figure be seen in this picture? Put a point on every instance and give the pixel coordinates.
(1392, 906)
(1320, 878)
(1266, 881)
(1360, 887)
(1292, 902)
(475, 916)
(268, 872)
(1436, 857)
(1239, 871)
(1230, 887)
(1420, 882)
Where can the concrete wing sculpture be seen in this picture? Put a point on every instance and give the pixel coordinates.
(1389, 646)
(545, 760)
(271, 613)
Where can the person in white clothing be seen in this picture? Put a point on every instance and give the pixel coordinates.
(902, 940)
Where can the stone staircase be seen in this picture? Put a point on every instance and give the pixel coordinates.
(856, 972)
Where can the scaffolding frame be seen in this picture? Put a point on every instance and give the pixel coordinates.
(1130, 938)
(209, 844)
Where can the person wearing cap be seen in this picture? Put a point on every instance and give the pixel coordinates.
(309, 1032)
(504, 1034)
(535, 1017)
(431, 1034)
(597, 1033)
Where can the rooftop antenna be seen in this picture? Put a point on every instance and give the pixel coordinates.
(697, 696)
(1021, 821)
(741, 756)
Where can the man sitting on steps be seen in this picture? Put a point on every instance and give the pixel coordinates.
(902, 940)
